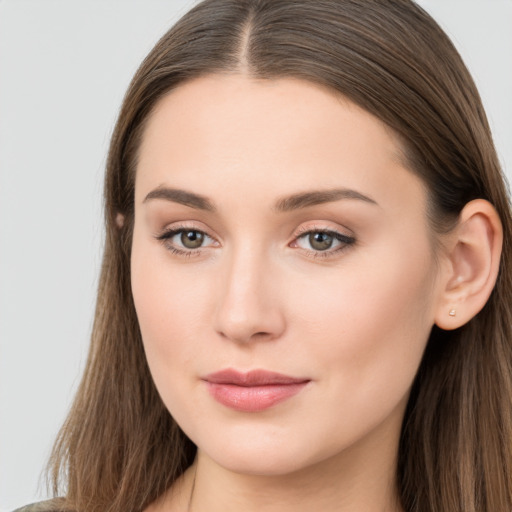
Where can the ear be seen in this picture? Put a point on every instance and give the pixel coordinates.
(471, 265)
(119, 220)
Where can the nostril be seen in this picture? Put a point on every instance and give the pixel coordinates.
(245, 336)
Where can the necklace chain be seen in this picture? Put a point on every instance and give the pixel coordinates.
(189, 506)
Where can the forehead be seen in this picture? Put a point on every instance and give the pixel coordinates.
(280, 136)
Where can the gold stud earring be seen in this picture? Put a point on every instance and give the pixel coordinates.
(452, 312)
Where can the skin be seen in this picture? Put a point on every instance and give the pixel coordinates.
(353, 319)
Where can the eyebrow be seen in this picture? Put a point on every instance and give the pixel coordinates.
(315, 197)
(285, 204)
(182, 197)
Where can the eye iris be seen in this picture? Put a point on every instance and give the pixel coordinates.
(320, 241)
(192, 239)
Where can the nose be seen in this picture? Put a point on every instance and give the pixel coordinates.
(249, 307)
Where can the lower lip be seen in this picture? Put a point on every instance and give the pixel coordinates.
(253, 398)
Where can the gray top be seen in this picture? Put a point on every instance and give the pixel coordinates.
(41, 506)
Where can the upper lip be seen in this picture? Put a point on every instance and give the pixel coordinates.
(252, 378)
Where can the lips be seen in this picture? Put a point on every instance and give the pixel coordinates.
(253, 391)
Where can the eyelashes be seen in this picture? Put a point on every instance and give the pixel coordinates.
(314, 242)
(322, 242)
(186, 241)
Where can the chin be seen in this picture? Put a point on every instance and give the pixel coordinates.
(259, 463)
(263, 454)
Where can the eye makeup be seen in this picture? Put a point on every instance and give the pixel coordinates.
(321, 242)
(317, 242)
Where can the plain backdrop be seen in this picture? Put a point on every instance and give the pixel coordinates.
(64, 67)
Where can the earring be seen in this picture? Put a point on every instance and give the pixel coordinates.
(452, 312)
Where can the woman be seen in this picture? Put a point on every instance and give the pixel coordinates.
(304, 300)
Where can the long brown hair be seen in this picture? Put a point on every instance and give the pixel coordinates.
(119, 448)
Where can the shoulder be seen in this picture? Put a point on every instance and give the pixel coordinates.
(42, 506)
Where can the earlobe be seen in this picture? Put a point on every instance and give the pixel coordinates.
(119, 220)
(472, 268)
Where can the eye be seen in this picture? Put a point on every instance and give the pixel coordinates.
(191, 239)
(323, 241)
(320, 241)
(186, 241)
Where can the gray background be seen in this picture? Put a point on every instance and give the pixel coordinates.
(64, 67)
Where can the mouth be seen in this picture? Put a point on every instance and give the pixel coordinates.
(253, 391)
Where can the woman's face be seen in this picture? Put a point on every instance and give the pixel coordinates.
(278, 232)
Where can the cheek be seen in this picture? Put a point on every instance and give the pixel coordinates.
(171, 305)
(370, 323)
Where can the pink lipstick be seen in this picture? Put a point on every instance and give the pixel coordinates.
(254, 391)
